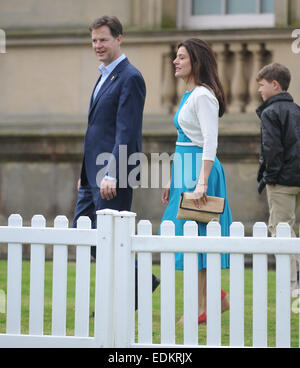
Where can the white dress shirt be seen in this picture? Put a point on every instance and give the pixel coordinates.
(105, 72)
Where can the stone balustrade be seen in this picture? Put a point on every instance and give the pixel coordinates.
(240, 55)
(238, 65)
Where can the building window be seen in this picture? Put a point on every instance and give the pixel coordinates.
(241, 7)
(206, 7)
(213, 14)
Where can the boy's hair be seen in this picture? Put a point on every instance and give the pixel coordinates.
(111, 22)
(275, 71)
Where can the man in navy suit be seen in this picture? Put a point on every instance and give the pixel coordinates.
(114, 122)
(114, 129)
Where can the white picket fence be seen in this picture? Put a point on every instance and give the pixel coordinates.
(117, 246)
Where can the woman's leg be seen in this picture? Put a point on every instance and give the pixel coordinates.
(202, 298)
(201, 291)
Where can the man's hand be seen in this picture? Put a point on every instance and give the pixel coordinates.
(78, 184)
(271, 186)
(108, 189)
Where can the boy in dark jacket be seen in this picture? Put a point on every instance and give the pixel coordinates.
(279, 169)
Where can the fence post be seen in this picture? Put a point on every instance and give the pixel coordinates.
(104, 283)
(124, 285)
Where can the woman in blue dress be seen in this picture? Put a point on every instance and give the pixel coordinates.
(195, 166)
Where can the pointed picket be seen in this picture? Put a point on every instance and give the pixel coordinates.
(82, 290)
(237, 290)
(144, 288)
(190, 287)
(260, 291)
(59, 284)
(37, 280)
(283, 293)
(14, 281)
(213, 274)
(167, 267)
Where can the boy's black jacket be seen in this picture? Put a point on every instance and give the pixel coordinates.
(280, 142)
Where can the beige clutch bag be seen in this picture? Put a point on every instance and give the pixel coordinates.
(207, 212)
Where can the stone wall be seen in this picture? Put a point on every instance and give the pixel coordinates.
(40, 164)
(32, 14)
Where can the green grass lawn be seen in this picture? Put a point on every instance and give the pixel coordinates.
(156, 305)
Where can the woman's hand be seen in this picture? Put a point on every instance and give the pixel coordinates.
(200, 194)
(165, 194)
(201, 187)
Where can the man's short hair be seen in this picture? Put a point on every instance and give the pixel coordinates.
(111, 22)
(275, 71)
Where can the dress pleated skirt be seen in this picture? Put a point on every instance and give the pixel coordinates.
(185, 173)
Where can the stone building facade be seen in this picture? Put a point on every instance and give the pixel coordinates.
(49, 70)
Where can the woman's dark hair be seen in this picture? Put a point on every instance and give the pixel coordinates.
(111, 22)
(204, 68)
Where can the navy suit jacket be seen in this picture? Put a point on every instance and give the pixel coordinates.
(114, 123)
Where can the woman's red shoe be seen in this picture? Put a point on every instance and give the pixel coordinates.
(224, 301)
(224, 307)
(202, 318)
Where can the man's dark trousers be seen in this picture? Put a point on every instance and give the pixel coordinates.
(88, 200)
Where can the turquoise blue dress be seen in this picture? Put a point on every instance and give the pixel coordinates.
(188, 161)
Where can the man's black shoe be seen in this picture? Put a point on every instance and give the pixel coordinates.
(155, 284)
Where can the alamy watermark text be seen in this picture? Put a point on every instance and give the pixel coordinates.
(296, 43)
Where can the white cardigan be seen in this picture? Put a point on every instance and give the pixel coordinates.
(198, 118)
